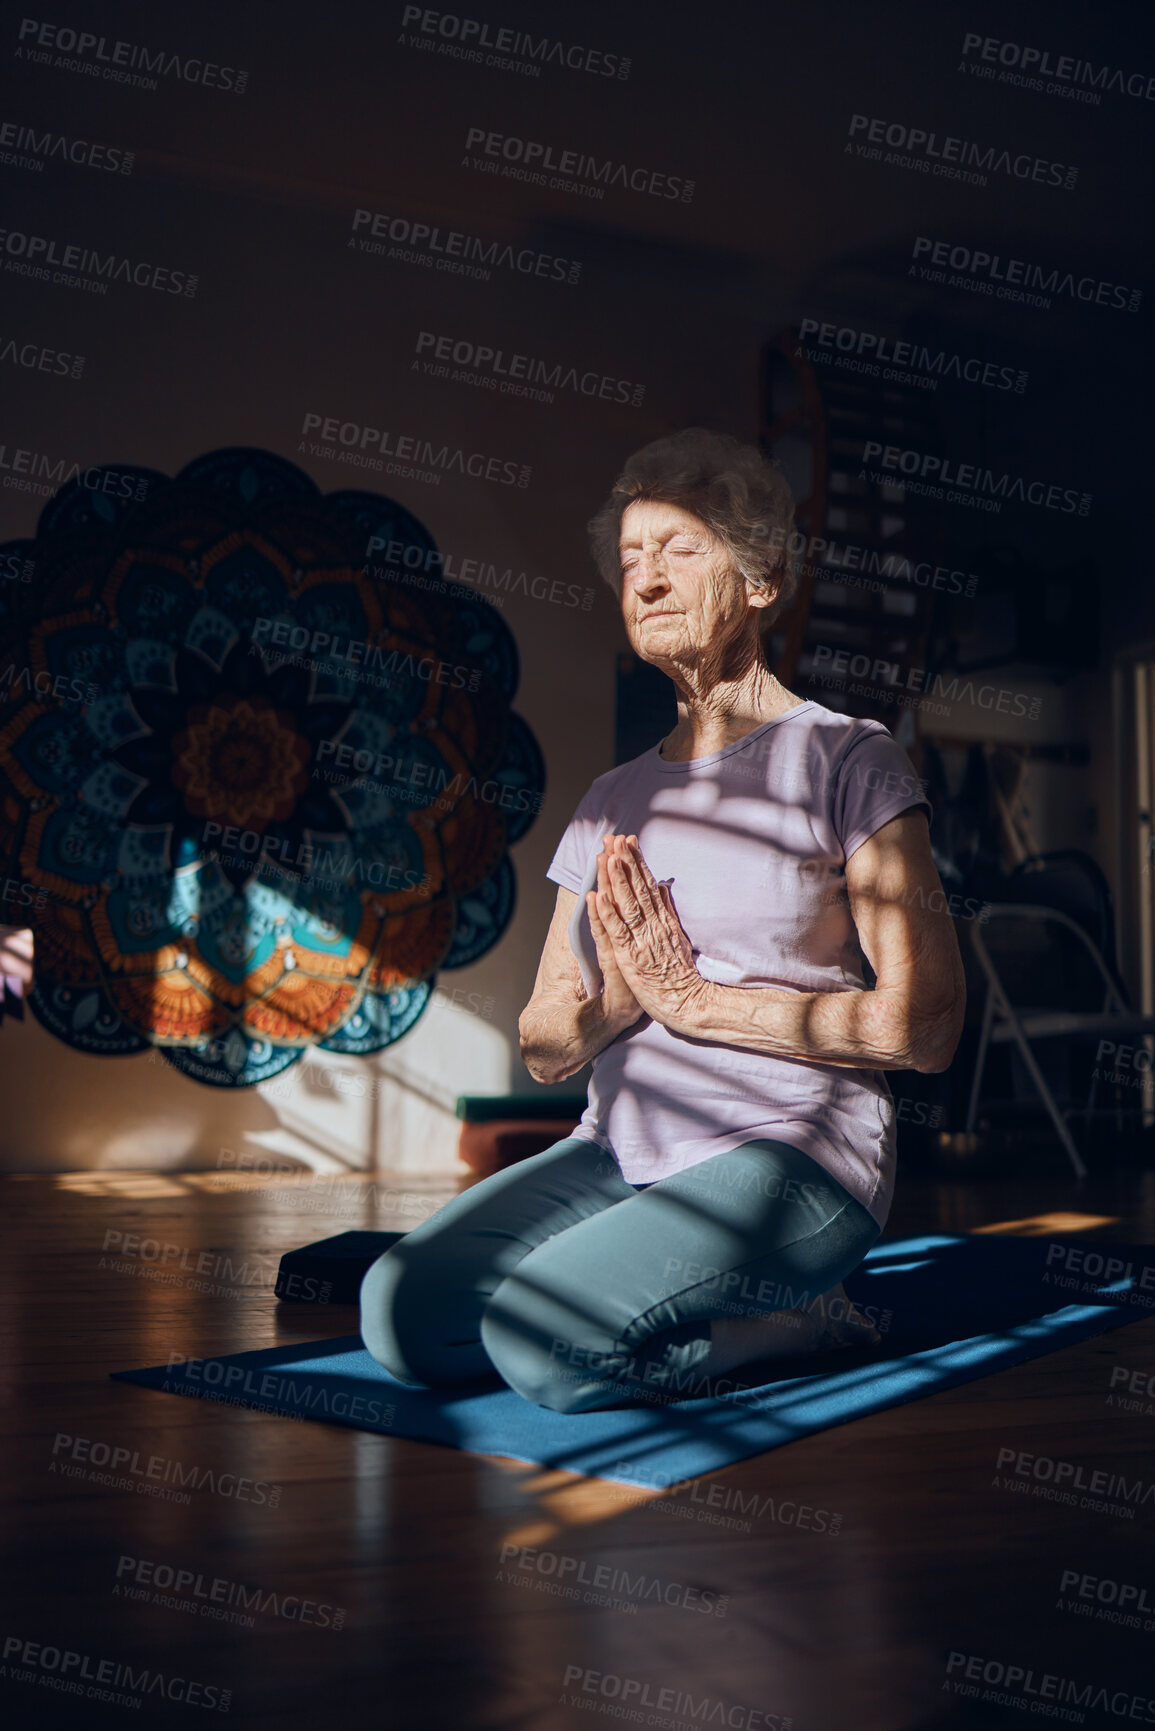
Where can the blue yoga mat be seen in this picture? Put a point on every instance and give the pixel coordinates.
(951, 1309)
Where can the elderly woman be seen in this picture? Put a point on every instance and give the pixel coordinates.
(716, 896)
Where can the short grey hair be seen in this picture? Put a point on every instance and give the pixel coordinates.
(739, 493)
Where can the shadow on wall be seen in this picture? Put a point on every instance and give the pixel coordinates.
(74, 1113)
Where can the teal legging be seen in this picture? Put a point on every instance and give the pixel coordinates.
(582, 1291)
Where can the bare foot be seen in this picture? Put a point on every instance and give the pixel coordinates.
(828, 1323)
(844, 1323)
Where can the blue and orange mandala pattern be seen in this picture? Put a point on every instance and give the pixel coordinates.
(259, 787)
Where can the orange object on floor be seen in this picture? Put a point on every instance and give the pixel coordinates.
(490, 1147)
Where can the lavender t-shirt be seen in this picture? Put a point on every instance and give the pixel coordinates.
(754, 840)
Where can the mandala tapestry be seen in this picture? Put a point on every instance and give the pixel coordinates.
(259, 773)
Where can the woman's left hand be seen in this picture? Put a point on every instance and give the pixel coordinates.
(653, 953)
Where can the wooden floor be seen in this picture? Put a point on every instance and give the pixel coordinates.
(825, 1630)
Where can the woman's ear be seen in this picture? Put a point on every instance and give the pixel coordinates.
(759, 595)
(776, 589)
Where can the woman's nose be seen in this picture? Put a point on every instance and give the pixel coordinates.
(650, 569)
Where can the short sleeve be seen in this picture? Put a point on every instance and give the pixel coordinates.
(568, 865)
(874, 782)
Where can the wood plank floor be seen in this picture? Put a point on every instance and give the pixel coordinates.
(823, 1629)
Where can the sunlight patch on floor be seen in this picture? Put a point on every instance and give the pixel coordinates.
(135, 1186)
(1039, 1225)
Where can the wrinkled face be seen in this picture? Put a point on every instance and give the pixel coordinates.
(682, 600)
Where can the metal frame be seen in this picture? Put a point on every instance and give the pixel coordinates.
(1047, 1024)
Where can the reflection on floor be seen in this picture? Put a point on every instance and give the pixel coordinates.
(835, 1582)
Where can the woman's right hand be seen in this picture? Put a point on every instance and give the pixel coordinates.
(620, 1007)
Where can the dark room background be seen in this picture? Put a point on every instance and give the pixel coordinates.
(469, 261)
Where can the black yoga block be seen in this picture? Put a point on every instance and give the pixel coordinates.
(331, 1271)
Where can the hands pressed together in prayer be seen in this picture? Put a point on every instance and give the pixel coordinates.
(646, 959)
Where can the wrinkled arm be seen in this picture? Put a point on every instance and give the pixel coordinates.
(561, 1028)
(910, 1020)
